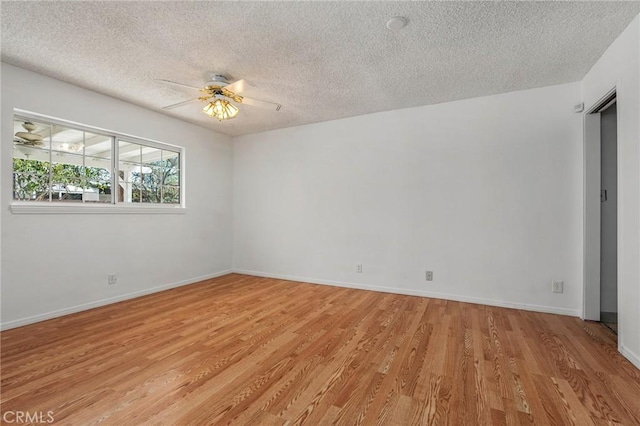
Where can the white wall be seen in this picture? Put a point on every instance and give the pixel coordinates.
(54, 264)
(485, 192)
(620, 67)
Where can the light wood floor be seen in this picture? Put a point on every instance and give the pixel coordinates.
(247, 350)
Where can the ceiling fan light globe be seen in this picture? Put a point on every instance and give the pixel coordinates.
(232, 110)
(208, 109)
(220, 109)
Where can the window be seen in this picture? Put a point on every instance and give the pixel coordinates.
(60, 163)
(147, 174)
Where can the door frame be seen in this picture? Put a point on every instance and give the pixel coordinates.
(591, 206)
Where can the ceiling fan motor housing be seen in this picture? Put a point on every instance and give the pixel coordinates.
(218, 80)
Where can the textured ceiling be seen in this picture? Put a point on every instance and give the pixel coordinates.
(320, 60)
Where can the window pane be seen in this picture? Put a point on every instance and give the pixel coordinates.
(152, 175)
(171, 194)
(67, 182)
(31, 169)
(126, 169)
(67, 169)
(67, 176)
(68, 140)
(151, 184)
(150, 196)
(99, 192)
(129, 170)
(66, 193)
(31, 165)
(97, 146)
(31, 133)
(98, 163)
(126, 179)
(171, 163)
(151, 156)
(136, 193)
(171, 156)
(142, 172)
(30, 187)
(129, 152)
(96, 174)
(29, 152)
(97, 185)
(66, 158)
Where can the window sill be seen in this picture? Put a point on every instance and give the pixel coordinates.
(46, 208)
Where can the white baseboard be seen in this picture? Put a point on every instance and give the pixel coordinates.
(633, 358)
(409, 292)
(90, 305)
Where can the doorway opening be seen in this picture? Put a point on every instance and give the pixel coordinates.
(601, 213)
(609, 217)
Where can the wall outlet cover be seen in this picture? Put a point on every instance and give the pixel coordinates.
(558, 286)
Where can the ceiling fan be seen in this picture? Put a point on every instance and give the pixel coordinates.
(217, 95)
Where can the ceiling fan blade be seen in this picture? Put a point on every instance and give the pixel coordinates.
(179, 104)
(261, 104)
(178, 84)
(239, 86)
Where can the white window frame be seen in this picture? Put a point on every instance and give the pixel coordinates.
(115, 207)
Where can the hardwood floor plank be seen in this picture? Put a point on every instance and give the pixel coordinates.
(245, 350)
(573, 403)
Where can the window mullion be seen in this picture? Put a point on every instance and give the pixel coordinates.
(50, 162)
(161, 177)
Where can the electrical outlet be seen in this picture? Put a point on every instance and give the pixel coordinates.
(359, 268)
(558, 286)
(112, 279)
(429, 275)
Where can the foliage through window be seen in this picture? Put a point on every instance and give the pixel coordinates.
(54, 162)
